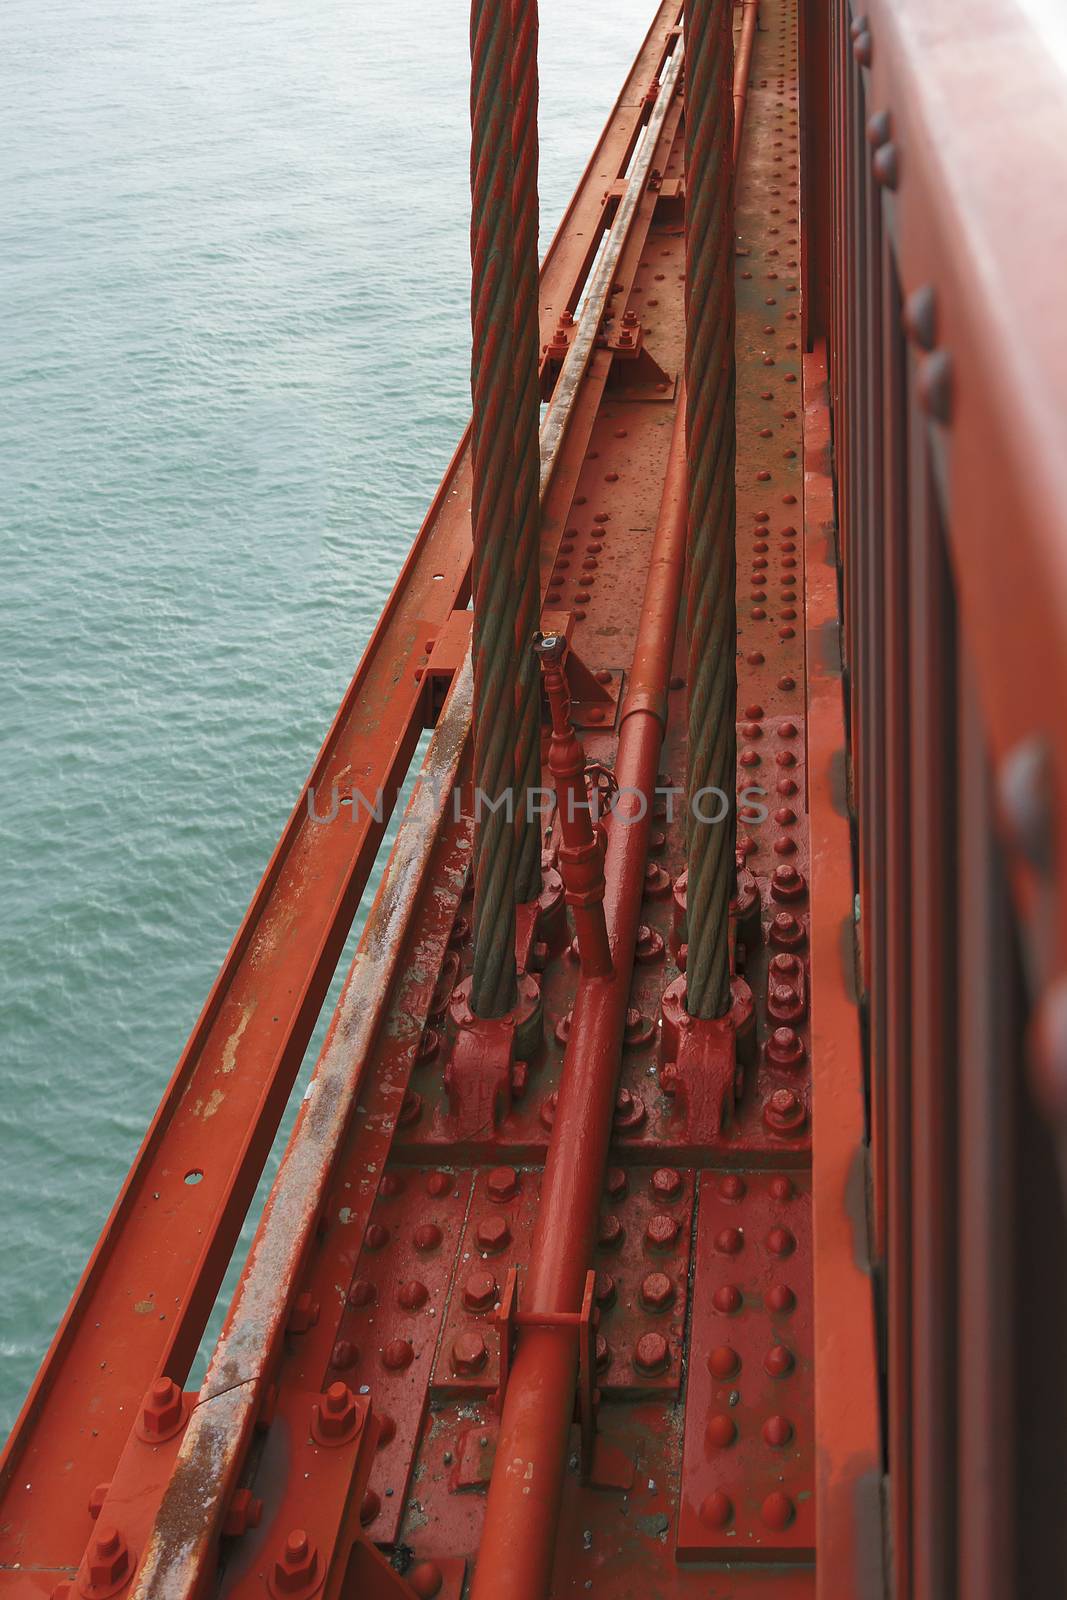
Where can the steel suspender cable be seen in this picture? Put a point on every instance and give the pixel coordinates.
(493, 990)
(527, 442)
(711, 453)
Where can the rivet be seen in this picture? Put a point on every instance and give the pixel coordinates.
(721, 1430)
(777, 1431)
(919, 316)
(886, 166)
(786, 882)
(609, 1234)
(617, 1182)
(604, 1290)
(344, 1354)
(1048, 1048)
(780, 1299)
(935, 386)
(728, 1299)
(879, 128)
(397, 1355)
(724, 1362)
(777, 1511)
(779, 1361)
(716, 1509)
(1024, 788)
(425, 1579)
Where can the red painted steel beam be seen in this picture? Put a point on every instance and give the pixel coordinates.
(976, 153)
(816, 244)
(219, 1431)
(522, 1513)
(848, 1458)
(142, 1303)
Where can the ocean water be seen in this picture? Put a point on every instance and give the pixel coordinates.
(234, 269)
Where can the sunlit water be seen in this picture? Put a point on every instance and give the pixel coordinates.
(233, 253)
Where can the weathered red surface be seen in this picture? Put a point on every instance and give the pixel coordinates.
(146, 1294)
(416, 1336)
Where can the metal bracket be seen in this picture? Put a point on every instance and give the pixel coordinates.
(635, 374)
(594, 694)
(602, 1464)
(447, 653)
(509, 1319)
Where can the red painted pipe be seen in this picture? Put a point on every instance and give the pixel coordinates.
(518, 1541)
(742, 68)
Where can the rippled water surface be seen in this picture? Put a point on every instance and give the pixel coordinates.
(233, 255)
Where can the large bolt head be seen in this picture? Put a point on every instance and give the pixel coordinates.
(666, 1183)
(502, 1184)
(479, 1291)
(297, 1566)
(662, 1231)
(338, 1413)
(469, 1354)
(161, 1414)
(109, 1557)
(493, 1234)
(657, 1291)
(651, 1353)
